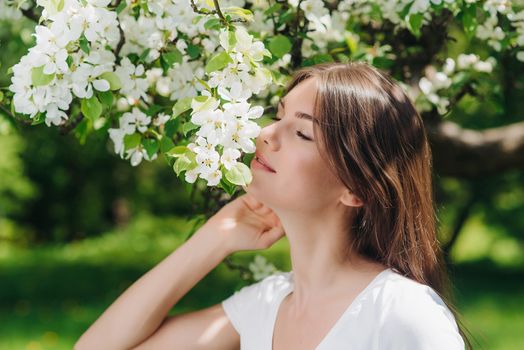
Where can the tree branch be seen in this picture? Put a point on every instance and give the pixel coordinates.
(217, 12)
(14, 117)
(461, 219)
(67, 128)
(122, 39)
(296, 49)
(469, 153)
(29, 13)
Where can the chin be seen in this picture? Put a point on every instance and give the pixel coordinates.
(261, 194)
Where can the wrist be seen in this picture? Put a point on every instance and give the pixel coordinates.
(209, 236)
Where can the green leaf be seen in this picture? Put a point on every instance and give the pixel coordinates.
(82, 130)
(177, 151)
(144, 55)
(218, 62)
(121, 7)
(352, 43)
(151, 146)
(203, 102)
(188, 126)
(193, 50)
(181, 164)
(132, 141)
(59, 5)
(278, 78)
(182, 105)
(84, 44)
(286, 17)
(171, 127)
(204, 84)
(231, 39)
(279, 45)
(153, 110)
(1, 96)
(405, 10)
(202, 98)
(239, 174)
(133, 57)
(383, 62)
(414, 22)
(143, 5)
(320, 58)
(106, 98)
(166, 143)
(38, 119)
(39, 78)
(168, 59)
(113, 80)
(213, 24)
(185, 162)
(227, 186)
(275, 8)
(91, 107)
(245, 14)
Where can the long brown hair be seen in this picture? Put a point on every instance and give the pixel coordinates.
(377, 146)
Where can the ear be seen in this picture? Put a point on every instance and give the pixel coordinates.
(350, 199)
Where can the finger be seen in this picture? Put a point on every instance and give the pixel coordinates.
(251, 202)
(255, 205)
(263, 210)
(272, 235)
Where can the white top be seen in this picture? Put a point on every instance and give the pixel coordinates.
(393, 312)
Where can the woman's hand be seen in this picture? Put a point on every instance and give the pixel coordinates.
(246, 224)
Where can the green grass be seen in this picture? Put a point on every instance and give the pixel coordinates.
(51, 294)
(490, 299)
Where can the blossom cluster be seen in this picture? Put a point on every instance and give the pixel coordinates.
(434, 82)
(261, 268)
(229, 126)
(57, 67)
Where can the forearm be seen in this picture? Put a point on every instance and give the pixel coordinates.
(140, 310)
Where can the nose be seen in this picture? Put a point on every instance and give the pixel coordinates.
(268, 135)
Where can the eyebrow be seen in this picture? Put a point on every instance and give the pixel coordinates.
(298, 114)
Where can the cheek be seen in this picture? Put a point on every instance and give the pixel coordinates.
(307, 184)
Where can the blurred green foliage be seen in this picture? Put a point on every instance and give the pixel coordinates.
(50, 297)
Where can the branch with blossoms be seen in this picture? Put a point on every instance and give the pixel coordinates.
(190, 79)
(69, 61)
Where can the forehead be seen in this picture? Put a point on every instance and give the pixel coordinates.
(302, 96)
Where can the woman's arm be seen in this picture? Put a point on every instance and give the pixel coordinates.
(142, 308)
(137, 319)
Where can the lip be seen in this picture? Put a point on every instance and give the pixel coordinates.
(263, 161)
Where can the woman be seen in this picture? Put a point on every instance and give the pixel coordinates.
(345, 174)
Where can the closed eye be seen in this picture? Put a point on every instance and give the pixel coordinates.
(299, 134)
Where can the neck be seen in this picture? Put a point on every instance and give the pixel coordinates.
(321, 263)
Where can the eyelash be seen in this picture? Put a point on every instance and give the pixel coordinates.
(302, 136)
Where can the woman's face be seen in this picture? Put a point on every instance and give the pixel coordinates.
(302, 181)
